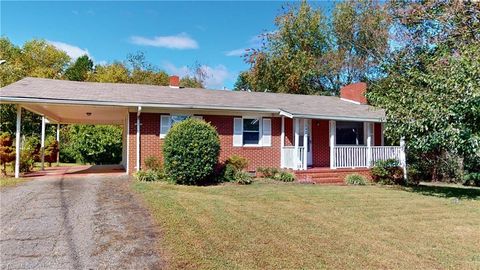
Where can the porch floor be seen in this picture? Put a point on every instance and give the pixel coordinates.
(326, 175)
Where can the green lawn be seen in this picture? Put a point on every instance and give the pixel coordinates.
(294, 226)
(10, 181)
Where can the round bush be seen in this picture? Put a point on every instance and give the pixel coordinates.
(190, 151)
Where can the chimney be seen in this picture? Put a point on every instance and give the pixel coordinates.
(174, 81)
(354, 92)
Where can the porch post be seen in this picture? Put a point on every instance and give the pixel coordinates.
(296, 159)
(282, 143)
(42, 143)
(138, 138)
(403, 158)
(382, 129)
(17, 141)
(305, 143)
(369, 144)
(58, 141)
(332, 131)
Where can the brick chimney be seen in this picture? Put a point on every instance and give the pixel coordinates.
(354, 92)
(174, 81)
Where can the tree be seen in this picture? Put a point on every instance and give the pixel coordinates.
(143, 72)
(431, 90)
(190, 82)
(196, 77)
(310, 54)
(112, 73)
(7, 151)
(51, 150)
(43, 60)
(101, 144)
(79, 70)
(242, 83)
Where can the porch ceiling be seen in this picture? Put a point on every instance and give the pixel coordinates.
(76, 114)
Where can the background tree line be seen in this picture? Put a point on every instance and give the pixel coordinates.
(79, 143)
(421, 60)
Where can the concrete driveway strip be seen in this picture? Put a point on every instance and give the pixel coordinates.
(81, 222)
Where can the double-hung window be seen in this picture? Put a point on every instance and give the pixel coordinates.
(167, 121)
(251, 131)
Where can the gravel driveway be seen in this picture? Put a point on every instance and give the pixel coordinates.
(81, 222)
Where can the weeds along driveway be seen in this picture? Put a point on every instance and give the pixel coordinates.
(80, 222)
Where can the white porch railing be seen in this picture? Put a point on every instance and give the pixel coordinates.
(364, 156)
(289, 160)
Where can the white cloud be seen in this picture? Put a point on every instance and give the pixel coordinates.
(181, 41)
(236, 52)
(73, 51)
(216, 76)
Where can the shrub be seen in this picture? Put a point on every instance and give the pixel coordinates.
(243, 178)
(471, 179)
(190, 151)
(7, 151)
(149, 175)
(51, 150)
(268, 172)
(239, 163)
(30, 153)
(229, 173)
(284, 176)
(153, 163)
(355, 179)
(387, 172)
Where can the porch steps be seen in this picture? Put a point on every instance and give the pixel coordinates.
(327, 176)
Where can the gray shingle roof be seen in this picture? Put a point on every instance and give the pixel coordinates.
(61, 91)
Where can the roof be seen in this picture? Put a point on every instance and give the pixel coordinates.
(37, 90)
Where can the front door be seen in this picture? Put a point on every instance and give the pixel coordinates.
(305, 128)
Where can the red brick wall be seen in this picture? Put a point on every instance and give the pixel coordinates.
(289, 137)
(320, 143)
(257, 156)
(377, 130)
(150, 142)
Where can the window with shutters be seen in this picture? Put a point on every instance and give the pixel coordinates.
(251, 131)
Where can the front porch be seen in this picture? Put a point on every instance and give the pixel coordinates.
(334, 144)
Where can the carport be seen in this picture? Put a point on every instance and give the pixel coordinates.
(58, 112)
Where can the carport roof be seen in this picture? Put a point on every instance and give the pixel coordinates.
(62, 92)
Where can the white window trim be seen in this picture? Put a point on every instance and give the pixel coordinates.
(162, 136)
(260, 131)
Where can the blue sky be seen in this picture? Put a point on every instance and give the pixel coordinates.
(173, 35)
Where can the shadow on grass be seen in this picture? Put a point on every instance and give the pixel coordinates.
(446, 191)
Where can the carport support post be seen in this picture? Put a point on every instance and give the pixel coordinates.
(17, 141)
(58, 141)
(138, 137)
(42, 143)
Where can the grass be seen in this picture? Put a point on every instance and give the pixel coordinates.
(293, 226)
(10, 181)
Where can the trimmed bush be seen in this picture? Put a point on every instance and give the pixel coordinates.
(191, 151)
(355, 179)
(388, 172)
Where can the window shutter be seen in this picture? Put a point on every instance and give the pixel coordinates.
(165, 123)
(237, 131)
(267, 132)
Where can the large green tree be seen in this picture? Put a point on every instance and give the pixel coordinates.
(309, 53)
(431, 88)
(80, 69)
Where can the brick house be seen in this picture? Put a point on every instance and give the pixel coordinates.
(307, 134)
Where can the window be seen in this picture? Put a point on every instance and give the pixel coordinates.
(251, 131)
(167, 121)
(350, 133)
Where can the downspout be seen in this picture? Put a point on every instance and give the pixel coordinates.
(139, 111)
